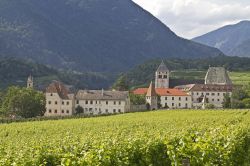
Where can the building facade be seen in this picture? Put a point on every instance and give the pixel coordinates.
(207, 94)
(94, 102)
(162, 76)
(169, 98)
(58, 100)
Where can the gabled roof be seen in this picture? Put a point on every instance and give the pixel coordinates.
(161, 92)
(101, 95)
(217, 75)
(151, 90)
(212, 88)
(60, 89)
(162, 67)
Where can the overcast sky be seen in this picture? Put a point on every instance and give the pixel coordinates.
(191, 18)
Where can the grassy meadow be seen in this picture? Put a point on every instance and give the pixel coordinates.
(149, 138)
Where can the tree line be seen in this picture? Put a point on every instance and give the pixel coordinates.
(18, 102)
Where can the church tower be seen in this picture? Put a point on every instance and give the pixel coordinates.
(152, 97)
(162, 76)
(30, 83)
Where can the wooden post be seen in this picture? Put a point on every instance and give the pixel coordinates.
(186, 162)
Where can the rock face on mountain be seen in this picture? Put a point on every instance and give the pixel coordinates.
(89, 35)
(233, 40)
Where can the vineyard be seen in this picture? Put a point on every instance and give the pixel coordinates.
(150, 138)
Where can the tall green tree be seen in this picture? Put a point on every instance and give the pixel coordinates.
(23, 102)
(121, 84)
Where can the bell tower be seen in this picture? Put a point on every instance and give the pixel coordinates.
(162, 76)
(30, 83)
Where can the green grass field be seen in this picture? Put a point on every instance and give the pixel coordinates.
(239, 78)
(149, 138)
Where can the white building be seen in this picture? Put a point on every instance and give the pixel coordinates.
(168, 98)
(58, 100)
(103, 102)
(207, 94)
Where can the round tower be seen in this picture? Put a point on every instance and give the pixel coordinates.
(162, 75)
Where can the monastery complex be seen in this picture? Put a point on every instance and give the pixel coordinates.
(217, 84)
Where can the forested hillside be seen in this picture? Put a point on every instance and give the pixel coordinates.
(142, 74)
(84, 35)
(16, 71)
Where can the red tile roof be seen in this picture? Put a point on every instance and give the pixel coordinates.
(161, 92)
(59, 88)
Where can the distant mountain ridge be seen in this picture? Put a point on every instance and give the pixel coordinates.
(84, 35)
(233, 40)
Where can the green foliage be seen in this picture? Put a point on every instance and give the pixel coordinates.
(246, 102)
(23, 102)
(151, 138)
(189, 70)
(209, 106)
(226, 101)
(79, 110)
(137, 99)
(121, 84)
(15, 72)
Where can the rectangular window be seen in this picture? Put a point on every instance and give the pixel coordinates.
(55, 102)
(67, 102)
(186, 99)
(218, 94)
(49, 102)
(67, 111)
(95, 102)
(55, 111)
(114, 103)
(114, 110)
(120, 103)
(62, 111)
(197, 93)
(218, 100)
(119, 110)
(107, 102)
(86, 102)
(166, 98)
(207, 94)
(213, 94)
(62, 102)
(91, 102)
(106, 110)
(186, 105)
(172, 104)
(77, 101)
(179, 98)
(50, 111)
(172, 98)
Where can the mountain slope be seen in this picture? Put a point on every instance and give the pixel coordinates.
(84, 35)
(183, 71)
(16, 71)
(229, 39)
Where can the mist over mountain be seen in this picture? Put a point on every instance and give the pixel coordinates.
(89, 35)
(233, 40)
